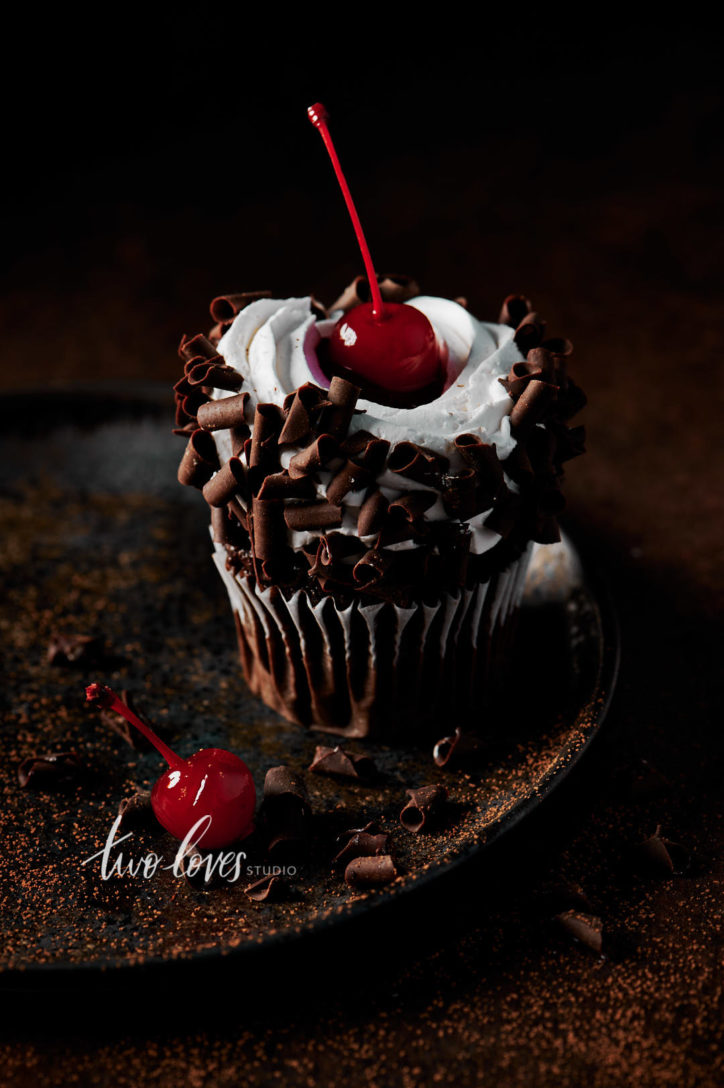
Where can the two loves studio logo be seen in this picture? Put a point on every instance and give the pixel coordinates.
(189, 862)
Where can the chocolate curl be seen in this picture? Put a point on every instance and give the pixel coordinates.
(268, 536)
(224, 308)
(393, 288)
(532, 406)
(313, 456)
(280, 485)
(662, 856)
(268, 888)
(460, 494)
(48, 770)
(585, 928)
(514, 309)
(196, 347)
(366, 450)
(372, 514)
(200, 460)
(329, 555)
(505, 514)
(417, 463)
(361, 845)
(372, 567)
(351, 477)
(217, 415)
(539, 365)
(73, 649)
(423, 808)
(302, 517)
(370, 872)
(458, 748)
(529, 333)
(237, 513)
(136, 811)
(558, 345)
(337, 415)
(570, 441)
(214, 373)
(337, 761)
(285, 812)
(264, 451)
(229, 481)
(299, 409)
(188, 402)
(412, 506)
(570, 401)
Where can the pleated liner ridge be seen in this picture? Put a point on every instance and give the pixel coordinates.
(376, 670)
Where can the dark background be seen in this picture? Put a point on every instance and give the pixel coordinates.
(153, 163)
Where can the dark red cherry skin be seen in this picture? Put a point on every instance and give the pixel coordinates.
(211, 782)
(398, 353)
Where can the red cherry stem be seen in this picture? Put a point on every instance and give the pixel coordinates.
(106, 699)
(319, 117)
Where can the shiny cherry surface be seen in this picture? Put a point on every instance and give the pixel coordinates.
(398, 353)
(213, 783)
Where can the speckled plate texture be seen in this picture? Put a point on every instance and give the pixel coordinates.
(99, 539)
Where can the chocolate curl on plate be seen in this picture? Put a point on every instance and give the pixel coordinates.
(264, 448)
(314, 456)
(285, 812)
(532, 406)
(337, 761)
(361, 844)
(48, 770)
(372, 514)
(393, 288)
(370, 872)
(337, 413)
(73, 649)
(200, 460)
(224, 308)
(584, 928)
(351, 477)
(299, 410)
(529, 333)
(459, 748)
(196, 347)
(372, 567)
(423, 808)
(366, 450)
(229, 481)
(417, 463)
(514, 309)
(460, 494)
(214, 373)
(136, 811)
(661, 856)
(280, 485)
(217, 415)
(301, 517)
(268, 889)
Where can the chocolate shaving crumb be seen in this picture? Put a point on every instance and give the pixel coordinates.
(268, 888)
(337, 761)
(370, 872)
(361, 845)
(48, 770)
(74, 649)
(136, 811)
(663, 857)
(423, 808)
(584, 928)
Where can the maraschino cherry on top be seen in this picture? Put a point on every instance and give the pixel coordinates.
(388, 345)
(211, 783)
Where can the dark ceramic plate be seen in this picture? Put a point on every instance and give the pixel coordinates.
(100, 539)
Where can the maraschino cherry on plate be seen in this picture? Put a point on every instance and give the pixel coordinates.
(388, 348)
(213, 783)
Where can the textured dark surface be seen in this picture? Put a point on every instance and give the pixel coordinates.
(585, 169)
